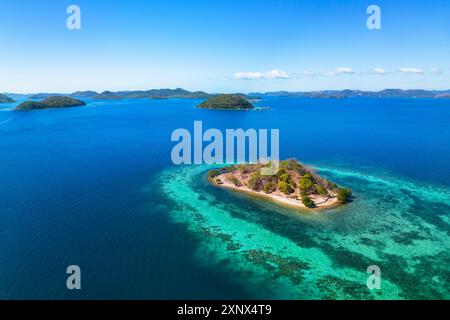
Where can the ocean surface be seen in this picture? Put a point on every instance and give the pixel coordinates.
(95, 187)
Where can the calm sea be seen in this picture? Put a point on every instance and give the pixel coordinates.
(95, 187)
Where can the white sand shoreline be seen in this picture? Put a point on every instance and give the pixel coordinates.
(322, 202)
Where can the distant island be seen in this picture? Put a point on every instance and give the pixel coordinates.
(147, 94)
(107, 95)
(50, 103)
(180, 93)
(40, 96)
(227, 102)
(294, 185)
(343, 94)
(5, 99)
(83, 94)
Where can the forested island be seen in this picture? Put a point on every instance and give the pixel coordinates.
(177, 93)
(227, 102)
(106, 95)
(5, 99)
(180, 93)
(50, 103)
(348, 93)
(294, 184)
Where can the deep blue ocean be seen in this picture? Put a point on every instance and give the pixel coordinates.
(95, 186)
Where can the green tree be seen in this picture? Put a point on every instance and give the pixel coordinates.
(306, 183)
(307, 201)
(344, 195)
(285, 187)
(254, 181)
(280, 172)
(321, 190)
(269, 187)
(284, 177)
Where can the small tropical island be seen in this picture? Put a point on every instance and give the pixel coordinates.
(294, 184)
(5, 99)
(227, 102)
(50, 103)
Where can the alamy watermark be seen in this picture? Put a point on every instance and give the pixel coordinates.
(210, 147)
(374, 278)
(374, 20)
(74, 279)
(73, 22)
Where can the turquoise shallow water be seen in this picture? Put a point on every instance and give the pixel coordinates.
(320, 255)
(95, 187)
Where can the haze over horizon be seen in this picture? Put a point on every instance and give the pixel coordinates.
(227, 47)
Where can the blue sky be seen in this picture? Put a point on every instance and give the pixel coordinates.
(223, 46)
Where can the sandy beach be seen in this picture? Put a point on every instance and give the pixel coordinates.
(322, 202)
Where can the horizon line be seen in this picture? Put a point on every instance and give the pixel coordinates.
(234, 92)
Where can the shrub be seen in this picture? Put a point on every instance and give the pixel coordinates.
(285, 187)
(255, 181)
(344, 195)
(306, 182)
(283, 164)
(280, 172)
(213, 173)
(269, 187)
(290, 164)
(321, 190)
(307, 201)
(235, 181)
(284, 177)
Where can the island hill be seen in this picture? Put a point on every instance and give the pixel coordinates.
(180, 93)
(50, 103)
(6, 99)
(106, 95)
(343, 94)
(294, 184)
(177, 93)
(227, 102)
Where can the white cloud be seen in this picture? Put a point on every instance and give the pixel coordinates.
(380, 71)
(339, 71)
(272, 74)
(436, 71)
(411, 70)
(248, 75)
(276, 74)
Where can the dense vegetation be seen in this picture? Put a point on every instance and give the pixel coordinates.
(145, 94)
(344, 195)
(178, 93)
(41, 96)
(292, 179)
(307, 201)
(5, 99)
(49, 103)
(227, 102)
